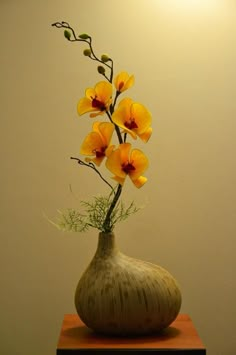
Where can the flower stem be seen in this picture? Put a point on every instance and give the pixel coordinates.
(107, 227)
(107, 220)
(116, 128)
(93, 56)
(92, 166)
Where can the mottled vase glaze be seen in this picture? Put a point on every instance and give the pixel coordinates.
(119, 295)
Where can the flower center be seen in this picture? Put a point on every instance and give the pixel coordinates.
(100, 153)
(121, 84)
(128, 167)
(98, 104)
(131, 124)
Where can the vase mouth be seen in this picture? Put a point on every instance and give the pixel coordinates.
(106, 233)
(106, 244)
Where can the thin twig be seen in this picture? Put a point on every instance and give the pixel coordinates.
(116, 128)
(92, 166)
(66, 25)
(106, 224)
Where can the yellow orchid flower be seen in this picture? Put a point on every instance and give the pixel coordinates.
(97, 99)
(134, 118)
(124, 161)
(123, 81)
(97, 142)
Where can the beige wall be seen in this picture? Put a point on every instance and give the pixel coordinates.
(182, 53)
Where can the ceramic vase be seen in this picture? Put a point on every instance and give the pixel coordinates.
(120, 295)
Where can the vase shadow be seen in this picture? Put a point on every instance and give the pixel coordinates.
(88, 335)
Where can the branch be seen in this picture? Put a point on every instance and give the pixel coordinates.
(116, 128)
(92, 166)
(106, 224)
(87, 40)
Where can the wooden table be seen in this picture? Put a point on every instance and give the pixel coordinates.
(180, 338)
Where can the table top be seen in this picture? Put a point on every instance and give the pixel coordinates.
(181, 334)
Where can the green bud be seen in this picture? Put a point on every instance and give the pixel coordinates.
(67, 34)
(104, 58)
(84, 36)
(101, 69)
(87, 52)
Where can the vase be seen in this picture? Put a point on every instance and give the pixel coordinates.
(120, 295)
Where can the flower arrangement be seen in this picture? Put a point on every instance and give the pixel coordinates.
(113, 115)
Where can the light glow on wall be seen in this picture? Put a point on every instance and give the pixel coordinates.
(193, 5)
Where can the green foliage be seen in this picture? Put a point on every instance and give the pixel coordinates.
(93, 216)
(67, 34)
(71, 220)
(87, 52)
(101, 69)
(105, 58)
(84, 36)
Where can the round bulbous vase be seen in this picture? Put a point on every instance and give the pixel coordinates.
(119, 295)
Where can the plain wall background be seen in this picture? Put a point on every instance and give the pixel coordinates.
(182, 53)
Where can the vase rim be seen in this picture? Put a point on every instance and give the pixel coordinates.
(106, 233)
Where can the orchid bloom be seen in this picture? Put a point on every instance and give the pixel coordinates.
(134, 118)
(97, 99)
(97, 142)
(123, 81)
(124, 161)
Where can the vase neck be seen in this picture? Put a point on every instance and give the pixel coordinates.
(106, 244)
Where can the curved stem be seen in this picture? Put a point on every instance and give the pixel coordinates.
(92, 166)
(111, 75)
(115, 99)
(107, 221)
(95, 57)
(116, 128)
(66, 25)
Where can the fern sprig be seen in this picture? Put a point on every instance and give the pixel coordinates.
(93, 216)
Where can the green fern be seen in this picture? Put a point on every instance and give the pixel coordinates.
(72, 221)
(94, 214)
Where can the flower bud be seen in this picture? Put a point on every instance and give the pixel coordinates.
(84, 36)
(87, 52)
(67, 34)
(104, 58)
(101, 69)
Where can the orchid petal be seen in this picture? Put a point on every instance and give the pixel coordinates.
(109, 150)
(95, 160)
(124, 152)
(122, 115)
(145, 136)
(103, 91)
(140, 181)
(140, 162)
(92, 141)
(100, 113)
(106, 130)
(133, 118)
(114, 164)
(129, 83)
(97, 99)
(90, 93)
(141, 116)
(84, 106)
(123, 81)
(97, 142)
